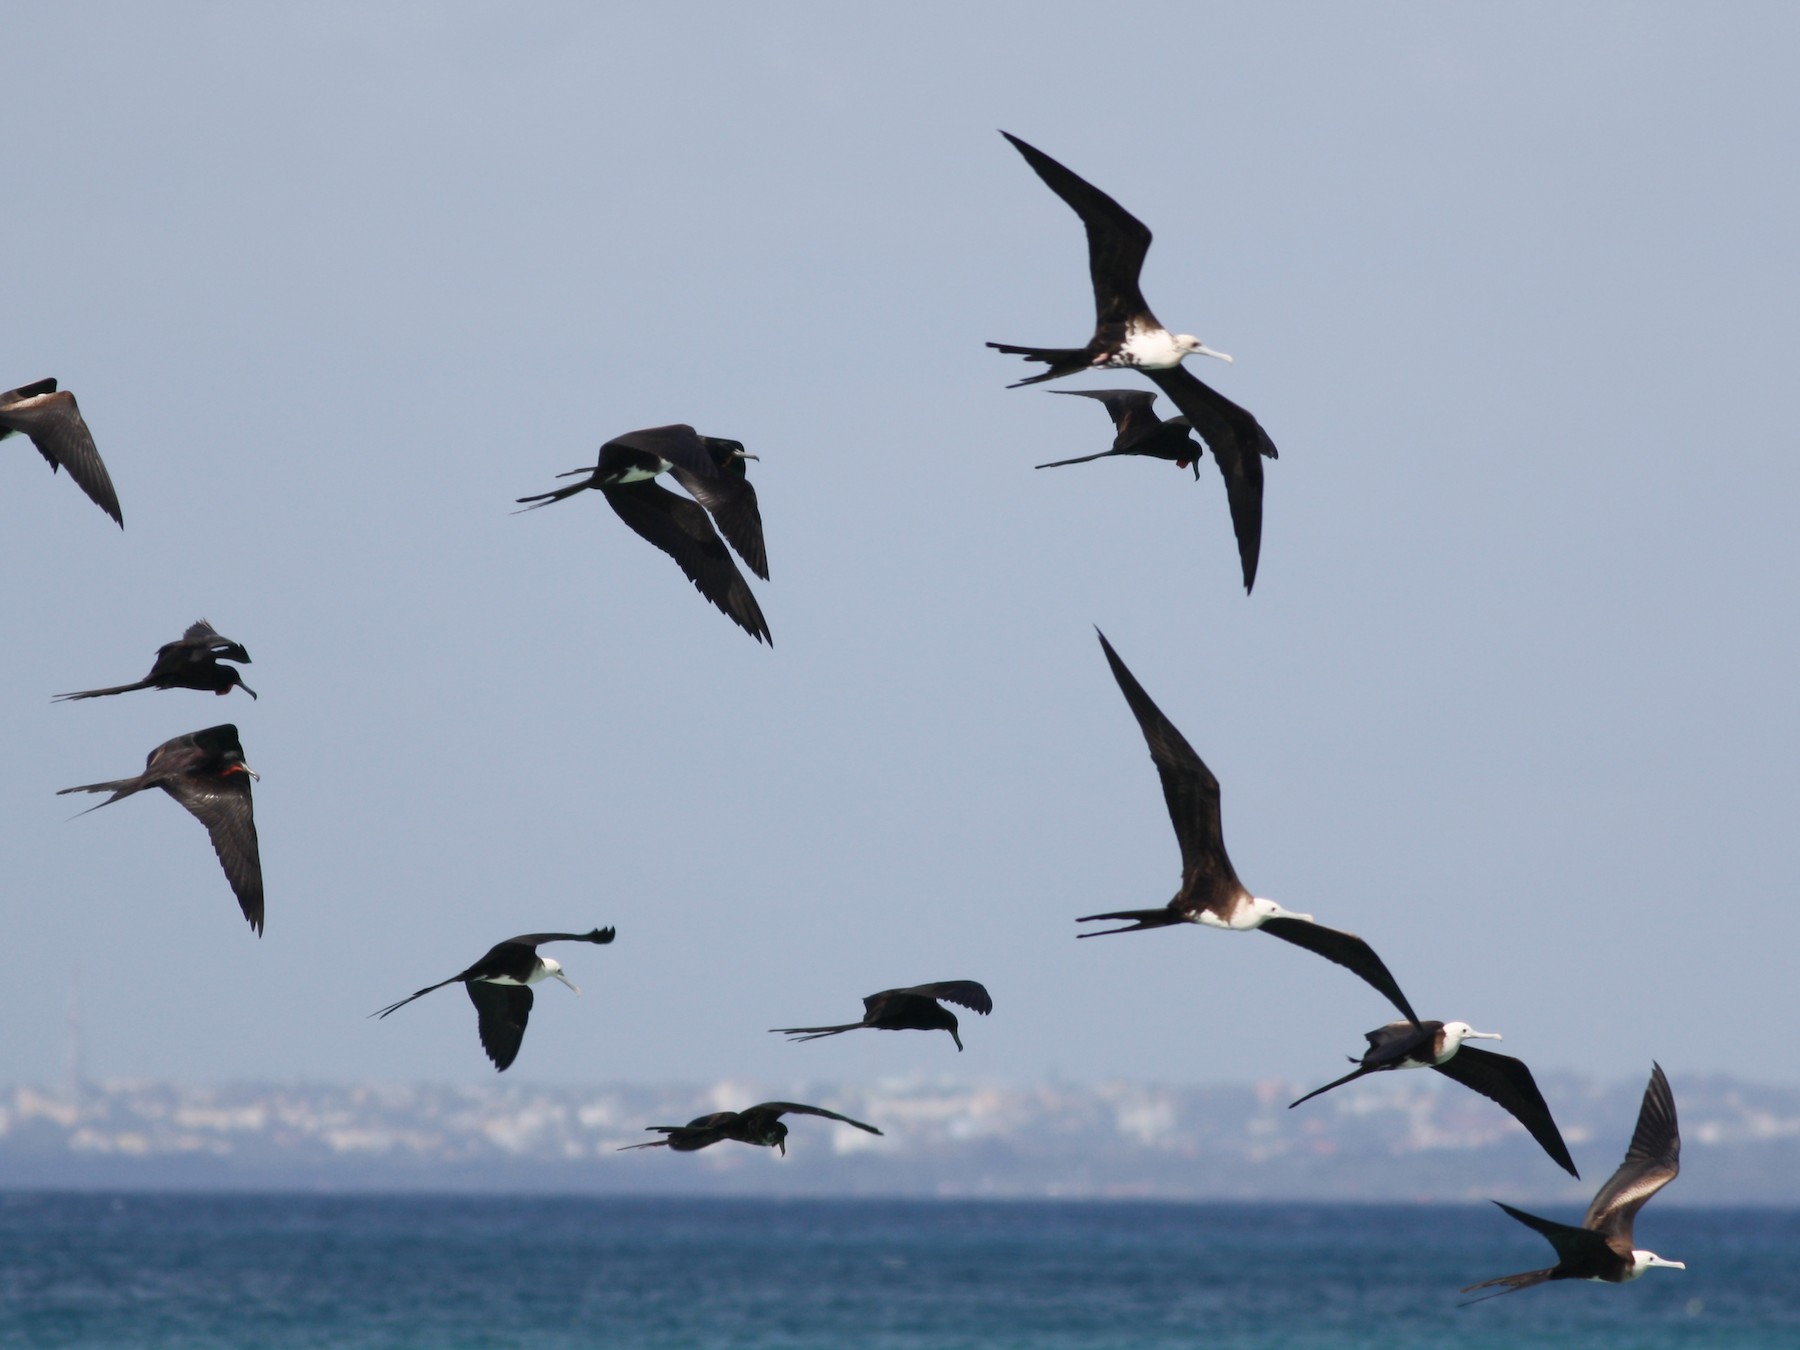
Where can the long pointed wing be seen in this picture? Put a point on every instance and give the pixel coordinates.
(964, 993)
(1573, 1245)
(678, 443)
(598, 936)
(770, 1111)
(222, 803)
(1117, 240)
(1652, 1162)
(1238, 444)
(1189, 788)
(1132, 411)
(1347, 949)
(55, 426)
(731, 502)
(501, 1012)
(681, 529)
(1506, 1081)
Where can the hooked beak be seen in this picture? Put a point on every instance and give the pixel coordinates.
(1204, 350)
(566, 980)
(957, 1039)
(782, 1145)
(1672, 1265)
(1484, 1036)
(247, 689)
(1281, 913)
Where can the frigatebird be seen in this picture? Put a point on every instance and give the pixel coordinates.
(1602, 1248)
(760, 1125)
(1440, 1045)
(499, 986)
(713, 472)
(914, 1009)
(1211, 893)
(1236, 439)
(1126, 333)
(54, 425)
(191, 662)
(206, 773)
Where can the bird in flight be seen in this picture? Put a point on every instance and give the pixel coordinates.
(190, 662)
(499, 986)
(914, 1009)
(206, 773)
(1603, 1248)
(1211, 893)
(760, 1125)
(712, 470)
(1442, 1046)
(54, 425)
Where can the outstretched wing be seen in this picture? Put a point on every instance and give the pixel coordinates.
(55, 426)
(765, 1113)
(1347, 949)
(964, 993)
(600, 936)
(681, 529)
(1652, 1162)
(1238, 444)
(222, 803)
(731, 501)
(1117, 240)
(1506, 1081)
(501, 1012)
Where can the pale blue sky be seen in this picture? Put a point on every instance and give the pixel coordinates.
(1512, 288)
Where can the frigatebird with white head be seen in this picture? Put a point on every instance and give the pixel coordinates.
(915, 1009)
(499, 986)
(760, 1125)
(1441, 1046)
(206, 773)
(55, 426)
(190, 662)
(1603, 1248)
(712, 471)
(1211, 893)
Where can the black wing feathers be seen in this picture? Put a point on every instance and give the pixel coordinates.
(502, 1010)
(1508, 1083)
(681, 529)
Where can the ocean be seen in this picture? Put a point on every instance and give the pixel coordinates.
(158, 1271)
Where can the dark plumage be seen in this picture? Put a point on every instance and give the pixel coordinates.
(1440, 1045)
(760, 1125)
(499, 986)
(1602, 1248)
(914, 1009)
(206, 773)
(1138, 430)
(191, 662)
(713, 472)
(55, 426)
(1211, 893)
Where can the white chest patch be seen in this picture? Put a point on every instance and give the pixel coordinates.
(1148, 349)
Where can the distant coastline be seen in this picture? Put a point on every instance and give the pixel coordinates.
(1400, 1137)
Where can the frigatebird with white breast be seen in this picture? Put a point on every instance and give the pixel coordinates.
(1603, 1248)
(712, 471)
(55, 426)
(760, 1125)
(206, 773)
(914, 1009)
(1441, 1046)
(1211, 893)
(499, 986)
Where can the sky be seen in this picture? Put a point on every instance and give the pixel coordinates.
(1511, 288)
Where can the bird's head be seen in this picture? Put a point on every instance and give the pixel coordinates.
(1642, 1261)
(1268, 909)
(1458, 1032)
(774, 1135)
(950, 1017)
(234, 680)
(553, 971)
(1190, 345)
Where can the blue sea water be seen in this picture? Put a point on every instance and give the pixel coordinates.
(163, 1271)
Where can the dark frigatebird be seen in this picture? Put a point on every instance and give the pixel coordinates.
(1602, 1248)
(1236, 439)
(1211, 893)
(712, 471)
(914, 1009)
(191, 662)
(1440, 1045)
(206, 773)
(1126, 333)
(54, 425)
(760, 1125)
(499, 986)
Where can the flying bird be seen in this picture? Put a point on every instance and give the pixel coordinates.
(760, 1125)
(712, 471)
(1236, 439)
(914, 1009)
(1211, 893)
(191, 662)
(1602, 1248)
(1126, 333)
(499, 986)
(53, 424)
(1441, 1046)
(206, 773)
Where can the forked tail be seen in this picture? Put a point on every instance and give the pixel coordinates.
(1336, 1082)
(1523, 1280)
(1061, 360)
(1140, 918)
(102, 693)
(814, 1033)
